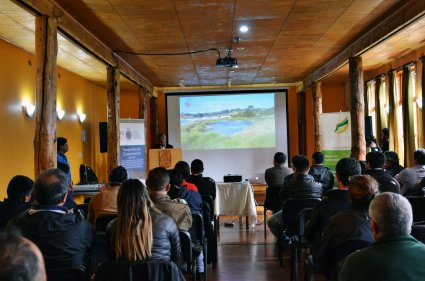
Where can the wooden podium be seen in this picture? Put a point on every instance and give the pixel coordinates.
(166, 158)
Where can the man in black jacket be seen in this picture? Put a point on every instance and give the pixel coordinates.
(19, 192)
(375, 168)
(301, 186)
(321, 173)
(333, 202)
(205, 185)
(64, 238)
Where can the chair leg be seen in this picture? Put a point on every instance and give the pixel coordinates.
(307, 269)
(279, 249)
(294, 263)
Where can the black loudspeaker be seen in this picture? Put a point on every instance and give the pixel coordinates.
(103, 136)
(368, 127)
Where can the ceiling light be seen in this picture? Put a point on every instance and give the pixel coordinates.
(243, 29)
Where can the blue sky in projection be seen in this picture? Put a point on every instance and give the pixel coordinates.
(207, 104)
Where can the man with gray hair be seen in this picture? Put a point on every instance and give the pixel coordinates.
(63, 237)
(395, 255)
(20, 259)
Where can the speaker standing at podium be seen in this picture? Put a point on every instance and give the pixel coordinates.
(162, 142)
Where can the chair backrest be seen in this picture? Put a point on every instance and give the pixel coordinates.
(341, 252)
(272, 201)
(100, 248)
(67, 274)
(303, 217)
(103, 220)
(186, 247)
(210, 202)
(197, 229)
(418, 207)
(150, 270)
(418, 231)
(292, 207)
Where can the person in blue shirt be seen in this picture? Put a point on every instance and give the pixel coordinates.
(62, 161)
(63, 165)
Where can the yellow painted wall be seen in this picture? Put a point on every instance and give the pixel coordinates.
(17, 81)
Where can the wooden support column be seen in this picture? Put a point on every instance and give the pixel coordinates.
(317, 111)
(302, 129)
(46, 48)
(358, 141)
(154, 119)
(113, 92)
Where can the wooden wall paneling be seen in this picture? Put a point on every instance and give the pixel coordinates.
(113, 96)
(154, 129)
(358, 141)
(317, 111)
(302, 133)
(45, 96)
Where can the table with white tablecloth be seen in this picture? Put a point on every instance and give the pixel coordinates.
(236, 199)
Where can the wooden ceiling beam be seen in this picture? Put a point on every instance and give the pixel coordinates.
(86, 40)
(405, 15)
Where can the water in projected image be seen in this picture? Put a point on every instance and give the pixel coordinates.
(227, 121)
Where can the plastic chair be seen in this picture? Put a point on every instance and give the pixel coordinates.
(100, 249)
(198, 236)
(67, 274)
(292, 226)
(149, 270)
(418, 207)
(186, 247)
(418, 231)
(103, 220)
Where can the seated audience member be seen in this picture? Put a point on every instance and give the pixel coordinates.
(105, 202)
(20, 259)
(395, 255)
(321, 173)
(275, 178)
(392, 165)
(179, 192)
(276, 175)
(140, 231)
(19, 192)
(409, 177)
(64, 238)
(301, 186)
(183, 168)
(162, 142)
(194, 201)
(205, 185)
(352, 225)
(158, 183)
(375, 168)
(334, 201)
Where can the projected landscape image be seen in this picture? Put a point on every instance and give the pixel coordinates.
(227, 121)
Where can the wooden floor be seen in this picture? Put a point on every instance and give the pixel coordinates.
(245, 255)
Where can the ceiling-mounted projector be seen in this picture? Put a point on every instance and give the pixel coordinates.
(227, 61)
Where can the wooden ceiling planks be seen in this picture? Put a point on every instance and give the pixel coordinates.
(287, 40)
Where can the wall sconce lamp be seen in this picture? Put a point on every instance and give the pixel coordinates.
(81, 116)
(60, 113)
(29, 109)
